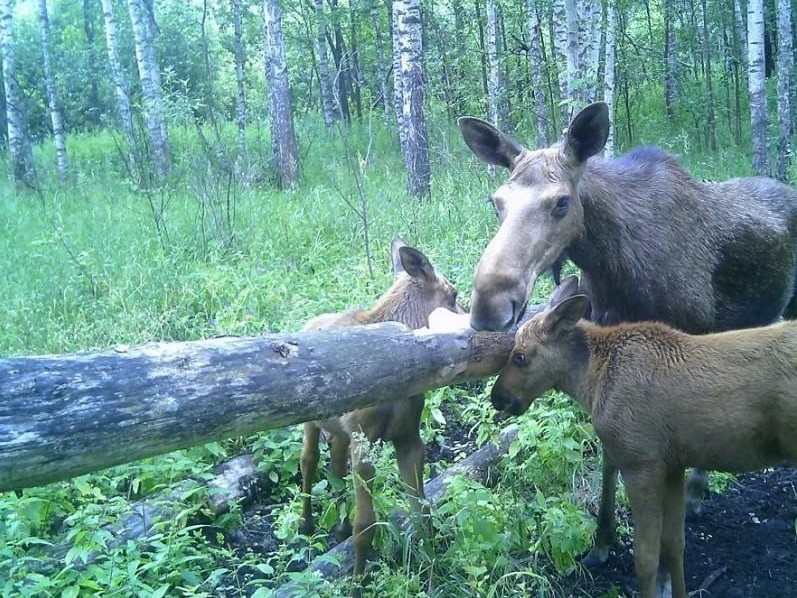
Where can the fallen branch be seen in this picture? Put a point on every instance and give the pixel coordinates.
(339, 561)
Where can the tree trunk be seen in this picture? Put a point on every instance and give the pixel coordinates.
(757, 82)
(354, 60)
(240, 61)
(342, 75)
(121, 88)
(381, 65)
(66, 415)
(413, 86)
(537, 66)
(711, 125)
(144, 32)
(398, 84)
(589, 27)
(325, 83)
(741, 29)
(56, 114)
(22, 166)
(785, 69)
(608, 78)
(482, 49)
(670, 61)
(496, 85)
(95, 109)
(283, 136)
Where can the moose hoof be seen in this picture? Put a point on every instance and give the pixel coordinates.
(342, 531)
(307, 527)
(596, 557)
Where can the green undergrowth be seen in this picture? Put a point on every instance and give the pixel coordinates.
(100, 263)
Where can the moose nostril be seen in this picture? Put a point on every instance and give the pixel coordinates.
(498, 399)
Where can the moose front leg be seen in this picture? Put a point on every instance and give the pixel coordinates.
(645, 489)
(696, 490)
(409, 454)
(339, 466)
(673, 542)
(606, 533)
(364, 515)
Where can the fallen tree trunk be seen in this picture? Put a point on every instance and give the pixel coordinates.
(339, 561)
(66, 415)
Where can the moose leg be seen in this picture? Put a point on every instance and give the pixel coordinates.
(308, 463)
(338, 464)
(645, 488)
(606, 534)
(696, 490)
(672, 541)
(364, 516)
(409, 454)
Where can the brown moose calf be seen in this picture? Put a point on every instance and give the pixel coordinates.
(417, 290)
(661, 401)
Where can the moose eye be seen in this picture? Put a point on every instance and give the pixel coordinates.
(560, 209)
(519, 359)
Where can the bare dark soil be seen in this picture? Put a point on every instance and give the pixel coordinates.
(743, 544)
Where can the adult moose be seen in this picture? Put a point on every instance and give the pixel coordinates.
(651, 243)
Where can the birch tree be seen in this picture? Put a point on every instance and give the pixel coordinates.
(757, 82)
(121, 86)
(283, 137)
(381, 67)
(324, 80)
(608, 80)
(670, 60)
(497, 108)
(537, 60)
(711, 127)
(415, 145)
(398, 83)
(240, 84)
(142, 21)
(19, 147)
(785, 68)
(56, 114)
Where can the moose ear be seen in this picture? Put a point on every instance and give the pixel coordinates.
(415, 263)
(488, 143)
(395, 245)
(587, 134)
(565, 315)
(564, 290)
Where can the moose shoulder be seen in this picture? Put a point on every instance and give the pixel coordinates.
(662, 400)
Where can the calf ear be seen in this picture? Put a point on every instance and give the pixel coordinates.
(395, 246)
(567, 288)
(415, 263)
(488, 143)
(565, 315)
(587, 134)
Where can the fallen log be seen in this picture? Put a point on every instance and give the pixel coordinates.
(66, 415)
(339, 561)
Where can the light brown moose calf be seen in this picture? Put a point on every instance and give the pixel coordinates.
(661, 401)
(417, 290)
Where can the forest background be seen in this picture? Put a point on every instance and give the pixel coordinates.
(184, 169)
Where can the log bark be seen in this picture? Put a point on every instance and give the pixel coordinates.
(339, 561)
(65, 415)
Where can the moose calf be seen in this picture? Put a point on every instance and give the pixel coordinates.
(661, 401)
(417, 290)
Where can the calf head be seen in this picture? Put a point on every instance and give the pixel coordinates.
(543, 353)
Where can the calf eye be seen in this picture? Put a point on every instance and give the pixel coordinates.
(519, 359)
(560, 209)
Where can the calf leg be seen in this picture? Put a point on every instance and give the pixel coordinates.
(606, 534)
(672, 542)
(696, 489)
(308, 463)
(409, 454)
(645, 489)
(364, 516)
(338, 464)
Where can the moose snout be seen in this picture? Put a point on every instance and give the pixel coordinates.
(496, 312)
(503, 400)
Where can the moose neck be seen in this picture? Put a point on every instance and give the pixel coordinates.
(575, 382)
(403, 302)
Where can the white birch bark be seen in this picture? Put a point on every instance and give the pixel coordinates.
(19, 147)
(496, 86)
(537, 68)
(398, 83)
(56, 114)
(121, 86)
(757, 83)
(785, 69)
(416, 150)
(608, 78)
(741, 29)
(590, 30)
(324, 80)
(283, 136)
(151, 91)
(240, 61)
(381, 67)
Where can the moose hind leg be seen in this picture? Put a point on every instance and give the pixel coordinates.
(696, 489)
(308, 464)
(606, 533)
(364, 516)
(339, 465)
(409, 454)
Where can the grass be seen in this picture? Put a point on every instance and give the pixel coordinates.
(99, 263)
